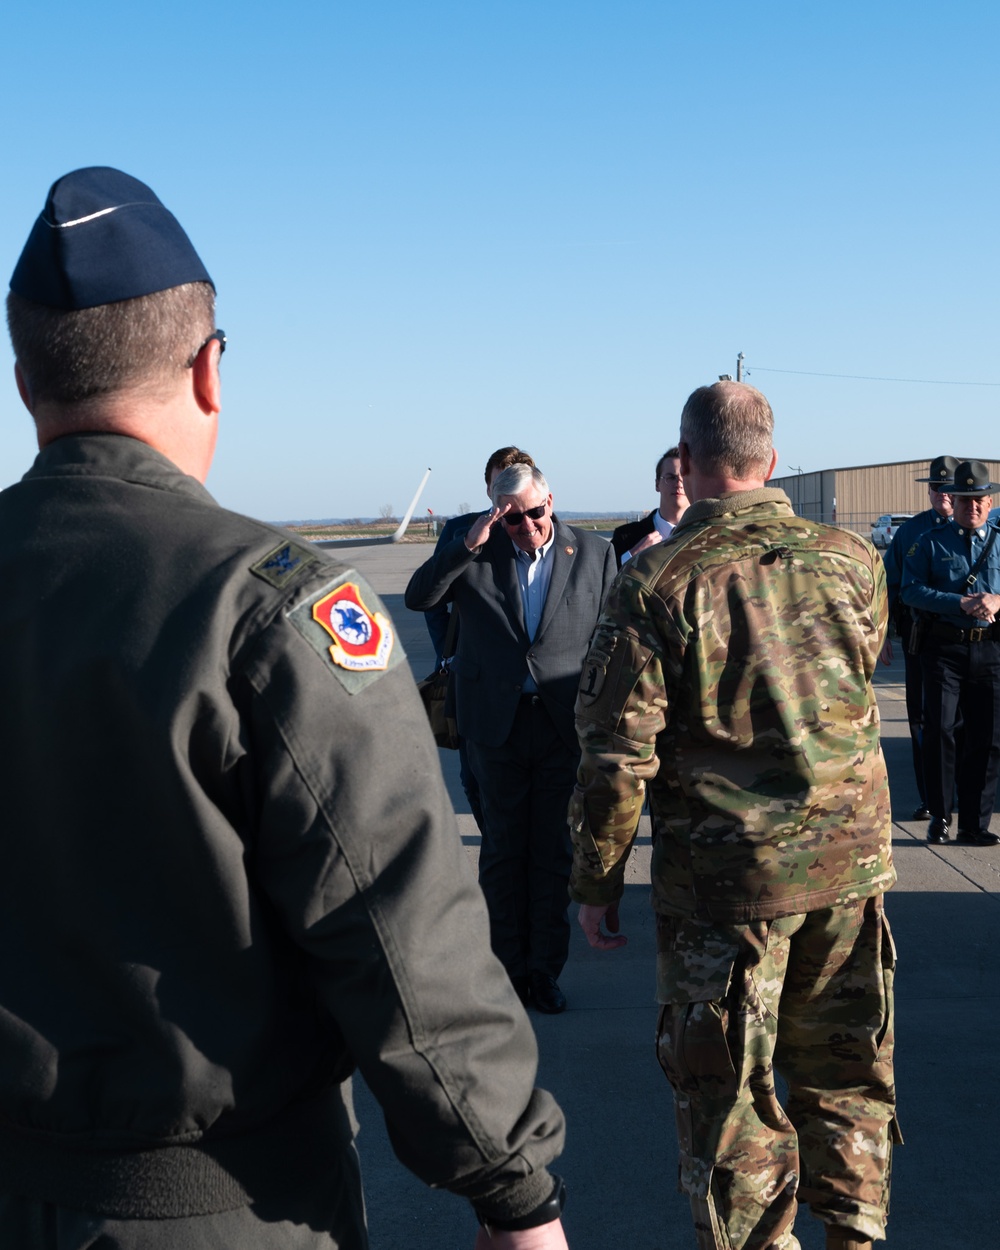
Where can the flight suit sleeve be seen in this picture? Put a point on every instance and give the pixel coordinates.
(356, 846)
(621, 708)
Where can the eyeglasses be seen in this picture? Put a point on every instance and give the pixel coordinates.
(514, 519)
(218, 336)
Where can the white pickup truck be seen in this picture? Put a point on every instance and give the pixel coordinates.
(884, 529)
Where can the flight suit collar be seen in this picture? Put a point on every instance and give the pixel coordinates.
(116, 456)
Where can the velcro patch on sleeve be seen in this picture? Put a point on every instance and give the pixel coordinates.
(284, 564)
(614, 666)
(346, 624)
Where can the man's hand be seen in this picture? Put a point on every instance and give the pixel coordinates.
(479, 531)
(885, 655)
(545, 1237)
(647, 540)
(589, 918)
(983, 607)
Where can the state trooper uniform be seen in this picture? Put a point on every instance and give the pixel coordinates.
(960, 662)
(940, 474)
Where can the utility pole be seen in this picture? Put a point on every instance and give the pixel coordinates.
(739, 367)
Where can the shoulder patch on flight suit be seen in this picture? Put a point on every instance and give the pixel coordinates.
(284, 564)
(345, 623)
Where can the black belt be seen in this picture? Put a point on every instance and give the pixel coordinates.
(954, 633)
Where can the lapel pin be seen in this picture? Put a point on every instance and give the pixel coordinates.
(569, 551)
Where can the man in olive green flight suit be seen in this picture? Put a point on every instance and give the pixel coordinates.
(227, 846)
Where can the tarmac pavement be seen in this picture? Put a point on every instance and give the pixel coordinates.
(620, 1162)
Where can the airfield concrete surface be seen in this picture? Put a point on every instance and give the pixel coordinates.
(620, 1162)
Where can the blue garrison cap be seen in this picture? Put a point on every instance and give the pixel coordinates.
(103, 236)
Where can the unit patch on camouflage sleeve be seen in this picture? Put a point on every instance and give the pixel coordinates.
(344, 622)
(595, 672)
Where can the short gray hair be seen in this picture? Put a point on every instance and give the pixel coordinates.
(516, 478)
(729, 430)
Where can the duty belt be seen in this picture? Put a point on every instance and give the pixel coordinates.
(954, 633)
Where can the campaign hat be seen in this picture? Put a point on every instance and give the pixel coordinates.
(103, 236)
(942, 472)
(972, 478)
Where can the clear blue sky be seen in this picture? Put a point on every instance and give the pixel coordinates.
(440, 227)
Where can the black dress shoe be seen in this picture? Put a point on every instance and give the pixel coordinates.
(522, 988)
(937, 830)
(546, 994)
(977, 837)
(922, 813)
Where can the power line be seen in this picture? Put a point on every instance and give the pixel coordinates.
(862, 377)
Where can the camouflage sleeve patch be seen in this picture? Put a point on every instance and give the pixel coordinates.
(621, 707)
(346, 624)
(621, 685)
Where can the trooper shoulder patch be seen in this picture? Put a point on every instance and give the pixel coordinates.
(284, 564)
(345, 623)
(912, 550)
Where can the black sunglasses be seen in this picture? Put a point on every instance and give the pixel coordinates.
(514, 519)
(219, 336)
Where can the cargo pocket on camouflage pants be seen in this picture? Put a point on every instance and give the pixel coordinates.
(738, 1157)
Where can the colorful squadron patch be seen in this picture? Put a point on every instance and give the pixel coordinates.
(362, 640)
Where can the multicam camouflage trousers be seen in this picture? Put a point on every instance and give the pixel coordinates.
(811, 998)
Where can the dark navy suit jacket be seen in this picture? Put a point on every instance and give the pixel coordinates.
(627, 535)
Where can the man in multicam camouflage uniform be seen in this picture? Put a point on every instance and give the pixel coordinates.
(731, 669)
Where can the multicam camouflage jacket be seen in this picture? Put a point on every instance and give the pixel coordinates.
(731, 670)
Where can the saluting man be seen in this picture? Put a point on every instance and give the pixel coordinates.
(528, 589)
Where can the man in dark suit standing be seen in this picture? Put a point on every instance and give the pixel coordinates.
(635, 536)
(529, 590)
